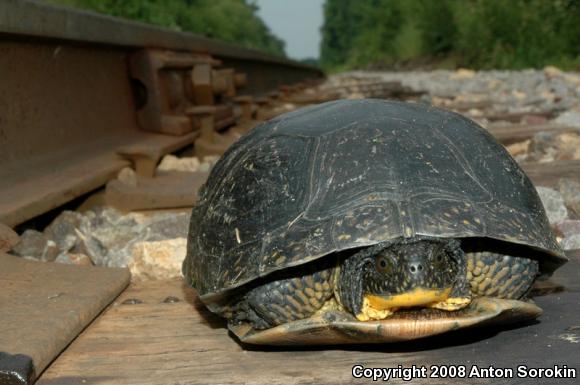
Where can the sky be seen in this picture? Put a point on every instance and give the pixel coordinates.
(297, 22)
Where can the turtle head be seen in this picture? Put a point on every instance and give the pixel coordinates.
(378, 281)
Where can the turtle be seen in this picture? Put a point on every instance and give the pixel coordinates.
(367, 221)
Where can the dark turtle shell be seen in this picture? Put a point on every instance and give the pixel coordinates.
(353, 173)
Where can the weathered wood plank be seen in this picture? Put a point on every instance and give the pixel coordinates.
(166, 190)
(44, 306)
(516, 117)
(33, 189)
(549, 173)
(163, 341)
(509, 134)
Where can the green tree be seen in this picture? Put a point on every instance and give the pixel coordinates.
(435, 20)
(338, 31)
(474, 33)
(234, 21)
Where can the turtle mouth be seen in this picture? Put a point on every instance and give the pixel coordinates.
(414, 298)
(376, 306)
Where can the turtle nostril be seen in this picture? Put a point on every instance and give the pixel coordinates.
(415, 268)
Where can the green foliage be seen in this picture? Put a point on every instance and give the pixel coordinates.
(340, 23)
(234, 21)
(408, 43)
(435, 21)
(472, 33)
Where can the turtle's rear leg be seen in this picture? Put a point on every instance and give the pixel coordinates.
(499, 275)
(287, 299)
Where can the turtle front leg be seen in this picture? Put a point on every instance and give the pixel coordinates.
(369, 312)
(453, 303)
(460, 295)
(459, 298)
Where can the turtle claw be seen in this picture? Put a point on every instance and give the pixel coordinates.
(370, 313)
(453, 303)
(374, 315)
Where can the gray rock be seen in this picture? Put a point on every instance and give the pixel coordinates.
(426, 99)
(103, 234)
(170, 225)
(569, 118)
(497, 85)
(570, 191)
(204, 167)
(173, 163)
(104, 217)
(92, 247)
(108, 236)
(542, 146)
(36, 245)
(74, 259)
(63, 230)
(570, 243)
(553, 203)
(568, 228)
(158, 260)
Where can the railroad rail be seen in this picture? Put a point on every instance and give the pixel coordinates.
(84, 95)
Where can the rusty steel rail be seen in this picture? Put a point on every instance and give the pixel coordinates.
(70, 103)
(38, 19)
(33, 19)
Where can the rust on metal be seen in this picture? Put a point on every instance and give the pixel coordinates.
(55, 309)
(80, 88)
(8, 238)
(170, 190)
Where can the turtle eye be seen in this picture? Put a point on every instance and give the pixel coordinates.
(384, 264)
(439, 258)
